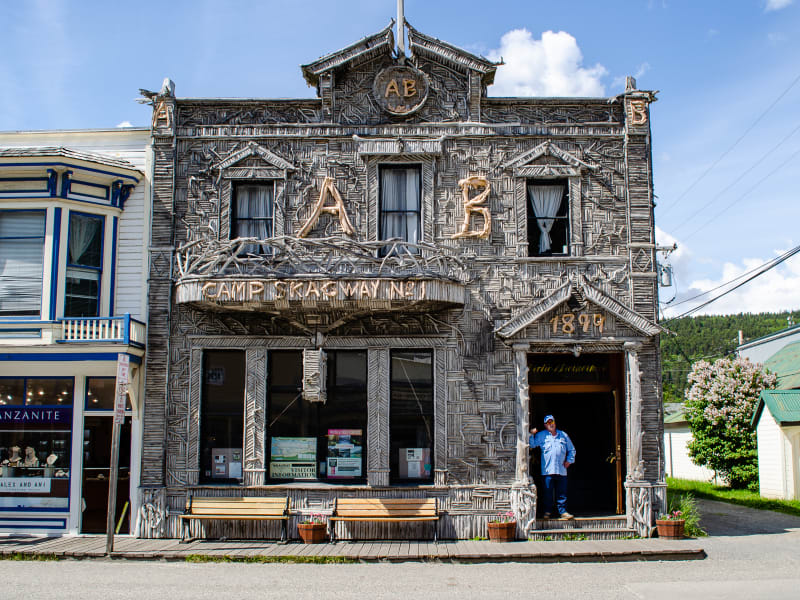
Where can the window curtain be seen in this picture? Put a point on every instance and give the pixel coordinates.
(545, 201)
(400, 204)
(82, 232)
(21, 262)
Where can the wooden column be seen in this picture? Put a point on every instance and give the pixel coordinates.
(255, 410)
(635, 432)
(522, 407)
(378, 417)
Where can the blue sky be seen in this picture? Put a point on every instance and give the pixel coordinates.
(719, 65)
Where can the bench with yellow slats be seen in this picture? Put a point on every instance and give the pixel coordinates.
(240, 509)
(386, 510)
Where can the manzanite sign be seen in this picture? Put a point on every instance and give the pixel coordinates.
(400, 90)
(35, 414)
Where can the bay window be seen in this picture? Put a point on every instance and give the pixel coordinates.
(21, 262)
(84, 265)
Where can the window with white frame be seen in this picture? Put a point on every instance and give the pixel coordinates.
(548, 218)
(253, 214)
(84, 265)
(400, 203)
(21, 262)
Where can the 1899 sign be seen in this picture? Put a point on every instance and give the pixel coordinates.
(569, 323)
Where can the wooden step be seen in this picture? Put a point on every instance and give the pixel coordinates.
(566, 534)
(613, 522)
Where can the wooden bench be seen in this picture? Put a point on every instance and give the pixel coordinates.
(386, 510)
(238, 509)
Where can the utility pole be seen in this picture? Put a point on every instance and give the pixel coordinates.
(401, 26)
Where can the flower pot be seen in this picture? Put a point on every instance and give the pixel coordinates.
(671, 529)
(503, 532)
(312, 533)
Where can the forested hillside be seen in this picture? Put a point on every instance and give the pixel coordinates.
(709, 338)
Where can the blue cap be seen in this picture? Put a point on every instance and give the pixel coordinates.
(549, 418)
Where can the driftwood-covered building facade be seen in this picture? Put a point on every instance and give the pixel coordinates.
(377, 292)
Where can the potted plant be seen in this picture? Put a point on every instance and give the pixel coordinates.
(670, 525)
(503, 528)
(312, 529)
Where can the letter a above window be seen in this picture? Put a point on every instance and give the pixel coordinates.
(337, 209)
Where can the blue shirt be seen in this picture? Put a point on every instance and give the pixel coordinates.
(555, 450)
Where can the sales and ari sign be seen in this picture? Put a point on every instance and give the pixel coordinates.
(400, 90)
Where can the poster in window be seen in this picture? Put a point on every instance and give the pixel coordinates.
(293, 458)
(227, 463)
(345, 449)
(415, 463)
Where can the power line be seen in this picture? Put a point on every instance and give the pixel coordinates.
(732, 204)
(738, 179)
(766, 267)
(736, 143)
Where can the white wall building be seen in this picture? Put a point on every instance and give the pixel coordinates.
(777, 422)
(677, 436)
(74, 220)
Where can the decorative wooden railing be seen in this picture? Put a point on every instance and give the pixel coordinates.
(123, 330)
(329, 257)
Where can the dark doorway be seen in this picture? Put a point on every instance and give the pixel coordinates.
(584, 395)
(588, 419)
(96, 473)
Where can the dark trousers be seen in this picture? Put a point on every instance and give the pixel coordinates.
(555, 485)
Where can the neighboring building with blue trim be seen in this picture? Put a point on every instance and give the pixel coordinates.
(74, 220)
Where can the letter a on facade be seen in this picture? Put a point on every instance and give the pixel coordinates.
(337, 209)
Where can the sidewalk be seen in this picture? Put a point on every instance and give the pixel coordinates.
(93, 546)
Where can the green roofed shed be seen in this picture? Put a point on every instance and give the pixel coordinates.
(783, 405)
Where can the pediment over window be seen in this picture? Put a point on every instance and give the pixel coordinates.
(548, 160)
(581, 290)
(252, 161)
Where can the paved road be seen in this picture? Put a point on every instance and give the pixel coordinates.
(751, 554)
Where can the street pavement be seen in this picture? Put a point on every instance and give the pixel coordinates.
(751, 554)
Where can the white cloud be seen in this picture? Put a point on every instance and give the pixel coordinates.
(550, 66)
(774, 291)
(770, 5)
(125, 124)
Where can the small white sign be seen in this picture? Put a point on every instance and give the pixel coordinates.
(123, 366)
(25, 485)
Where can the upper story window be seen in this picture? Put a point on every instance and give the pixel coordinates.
(548, 218)
(21, 262)
(253, 214)
(400, 203)
(84, 265)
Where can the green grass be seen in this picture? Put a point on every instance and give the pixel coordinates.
(317, 560)
(701, 489)
(21, 556)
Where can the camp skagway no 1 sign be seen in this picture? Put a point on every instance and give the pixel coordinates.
(400, 90)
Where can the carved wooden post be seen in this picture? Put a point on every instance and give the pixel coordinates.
(522, 412)
(378, 417)
(635, 433)
(255, 411)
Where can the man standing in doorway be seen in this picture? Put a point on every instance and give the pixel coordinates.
(558, 454)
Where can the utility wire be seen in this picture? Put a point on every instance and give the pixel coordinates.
(738, 179)
(736, 143)
(732, 204)
(766, 267)
(722, 285)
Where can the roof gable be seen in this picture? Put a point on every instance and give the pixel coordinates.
(578, 288)
(252, 149)
(783, 405)
(566, 163)
(436, 50)
(785, 363)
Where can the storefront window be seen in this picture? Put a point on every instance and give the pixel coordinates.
(100, 393)
(315, 440)
(35, 443)
(222, 417)
(411, 417)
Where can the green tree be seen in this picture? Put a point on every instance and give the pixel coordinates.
(719, 405)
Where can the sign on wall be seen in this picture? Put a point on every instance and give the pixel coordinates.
(400, 90)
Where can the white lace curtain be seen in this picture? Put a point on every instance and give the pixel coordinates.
(545, 201)
(82, 232)
(400, 204)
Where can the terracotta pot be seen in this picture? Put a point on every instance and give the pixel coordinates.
(503, 532)
(671, 529)
(312, 533)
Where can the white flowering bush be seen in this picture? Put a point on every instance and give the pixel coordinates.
(719, 404)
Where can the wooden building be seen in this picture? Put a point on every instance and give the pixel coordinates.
(73, 214)
(378, 291)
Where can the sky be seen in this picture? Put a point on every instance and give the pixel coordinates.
(725, 128)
